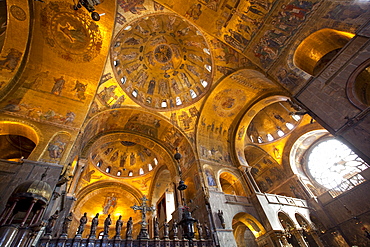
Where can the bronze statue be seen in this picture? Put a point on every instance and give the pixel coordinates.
(67, 223)
(200, 230)
(51, 222)
(107, 223)
(94, 225)
(156, 228)
(119, 224)
(175, 229)
(129, 229)
(208, 233)
(221, 217)
(166, 227)
(83, 222)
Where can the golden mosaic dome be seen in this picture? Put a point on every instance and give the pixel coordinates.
(124, 159)
(162, 62)
(273, 122)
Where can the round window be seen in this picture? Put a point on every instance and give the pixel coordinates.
(333, 165)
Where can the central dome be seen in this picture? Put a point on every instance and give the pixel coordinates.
(162, 62)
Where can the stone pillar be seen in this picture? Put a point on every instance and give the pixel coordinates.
(246, 171)
(77, 175)
(299, 236)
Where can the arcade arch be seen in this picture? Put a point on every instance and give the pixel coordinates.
(246, 229)
(315, 52)
(17, 140)
(231, 184)
(106, 197)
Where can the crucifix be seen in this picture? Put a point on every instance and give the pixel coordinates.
(144, 209)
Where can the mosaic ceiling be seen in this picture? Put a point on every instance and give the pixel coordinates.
(162, 62)
(124, 159)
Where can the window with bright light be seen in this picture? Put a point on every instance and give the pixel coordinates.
(260, 140)
(134, 93)
(289, 126)
(335, 166)
(280, 133)
(204, 83)
(270, 137)
(208, 67)
(123, 80)
(193, 94)
(296, 117)
(178, 101)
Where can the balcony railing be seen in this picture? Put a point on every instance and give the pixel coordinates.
(285, 200)
(347, 185)
(237, 199)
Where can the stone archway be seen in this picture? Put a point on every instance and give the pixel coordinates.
(17, 140)
(246, 230)
(231, 184)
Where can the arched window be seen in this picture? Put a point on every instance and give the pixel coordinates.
(141, 171)
(358, 87)
(193, 94)
(123, 80)
(270, 137)
(19, 140)
(178, 101)
(204, 83)
(108, 169)
(134, 93)
(99, 163)
(130, 173)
